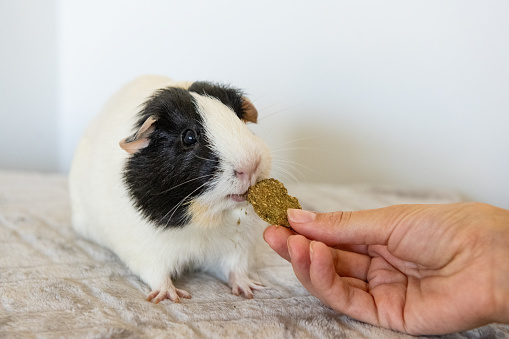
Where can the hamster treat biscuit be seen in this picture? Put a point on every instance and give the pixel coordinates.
(270, 201)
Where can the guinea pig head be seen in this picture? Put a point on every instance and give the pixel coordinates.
(192, 157)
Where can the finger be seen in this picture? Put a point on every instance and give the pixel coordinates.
(347, 263)
(363, 249)
(352, 267)
(277, 237)
(298, 247)
(368, 227)
(347, 296)
(350, 264)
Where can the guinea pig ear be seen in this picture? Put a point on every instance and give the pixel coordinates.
(140, 139)
(250, 112)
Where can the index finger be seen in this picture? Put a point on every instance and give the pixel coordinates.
(366, 227)
(277, 237)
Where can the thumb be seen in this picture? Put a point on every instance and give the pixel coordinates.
(367, 227)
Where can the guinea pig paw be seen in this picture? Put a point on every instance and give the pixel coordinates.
(244, 285)
(173, 294)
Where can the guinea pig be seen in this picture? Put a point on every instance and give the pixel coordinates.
(159, 177)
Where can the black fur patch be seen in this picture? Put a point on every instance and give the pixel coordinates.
(229, 96)
(163, 177)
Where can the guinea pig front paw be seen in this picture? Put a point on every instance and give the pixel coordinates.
(242, 284)
(168, 291)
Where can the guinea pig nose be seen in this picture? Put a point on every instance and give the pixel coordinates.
(240, 174)
(246, 171)
(244, 174)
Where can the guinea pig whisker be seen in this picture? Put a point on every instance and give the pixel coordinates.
(265, 108)
(185, 182)
(174, 209)
(285, 161)
(276, 112)
(287, 164)
(283, 164)
(287, 173)
(297, 140)
(202, 158)
(279, 150)
(255, 100)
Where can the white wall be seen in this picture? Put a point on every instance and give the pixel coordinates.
(28, 85)
(398, 92)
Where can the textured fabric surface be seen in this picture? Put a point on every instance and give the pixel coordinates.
(56, 285)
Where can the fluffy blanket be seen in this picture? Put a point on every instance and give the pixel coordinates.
(56, 285)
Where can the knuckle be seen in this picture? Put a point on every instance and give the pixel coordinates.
(338, 218)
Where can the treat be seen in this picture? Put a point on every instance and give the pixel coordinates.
(270, 201)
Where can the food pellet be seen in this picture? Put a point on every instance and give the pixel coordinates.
(270, 201)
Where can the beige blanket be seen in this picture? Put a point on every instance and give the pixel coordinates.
(56, 285)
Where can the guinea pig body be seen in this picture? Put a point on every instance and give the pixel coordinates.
(159, 178)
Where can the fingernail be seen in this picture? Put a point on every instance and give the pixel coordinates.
(301, 216)
(289, 247)
(265, 230)
(311, 249)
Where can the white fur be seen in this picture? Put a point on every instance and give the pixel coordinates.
(219, 240)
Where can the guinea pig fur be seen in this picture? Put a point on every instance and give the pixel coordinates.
(160, 176)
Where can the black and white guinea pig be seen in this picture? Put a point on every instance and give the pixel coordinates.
(171, 195)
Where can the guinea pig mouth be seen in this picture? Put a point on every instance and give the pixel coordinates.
(238, 197)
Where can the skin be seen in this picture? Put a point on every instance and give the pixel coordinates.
(419, 269)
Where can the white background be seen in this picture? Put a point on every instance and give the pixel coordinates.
(412, 93)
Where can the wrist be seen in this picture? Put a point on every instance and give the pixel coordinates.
(501, 267)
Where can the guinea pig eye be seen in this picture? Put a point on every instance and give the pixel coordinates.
(189, 137)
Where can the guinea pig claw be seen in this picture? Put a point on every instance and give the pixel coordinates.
(173, 294)
(244, 285)
(247, 294)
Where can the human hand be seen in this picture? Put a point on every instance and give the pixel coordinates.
(419, 269)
